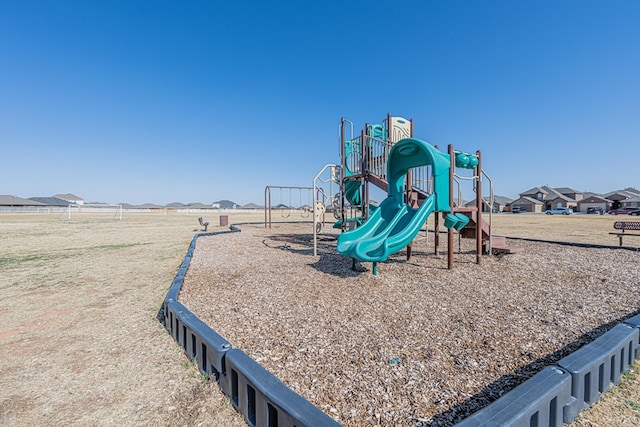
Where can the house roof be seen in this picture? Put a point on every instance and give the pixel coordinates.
(624, 193)
(8, 200)
(565, 190)
(552, 193)
(503, 200)
(50, 201)
(535, 190)
(632, 190)
(176, 205)
(527, 199)
(588, 198)
(587, 194)
(560, 196)
(68, 197)
(226, 204)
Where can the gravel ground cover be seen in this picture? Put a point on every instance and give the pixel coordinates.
(416, 344)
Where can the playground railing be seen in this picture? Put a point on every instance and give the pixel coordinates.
(354, 158)
(377, 156)
(421, 179)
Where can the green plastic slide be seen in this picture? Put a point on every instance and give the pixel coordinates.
(352, 192)
(389, 229)
(394, 224)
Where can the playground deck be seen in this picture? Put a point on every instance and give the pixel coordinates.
(417, 343)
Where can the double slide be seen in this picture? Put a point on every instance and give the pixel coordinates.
(394, 224)
(389, 229)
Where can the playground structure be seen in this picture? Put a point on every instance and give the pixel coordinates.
(419, 180)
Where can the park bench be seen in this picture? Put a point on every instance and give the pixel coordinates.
(203, 223)
(625, 226)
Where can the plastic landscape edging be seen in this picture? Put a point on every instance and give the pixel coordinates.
(198, 340)
(575, 244)
(264, 400)
(546, 399)
(597, 366)
(538, 401)
(257, 394)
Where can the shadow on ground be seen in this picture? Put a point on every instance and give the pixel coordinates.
(331, 262)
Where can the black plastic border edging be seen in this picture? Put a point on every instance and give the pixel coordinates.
(575, 244)
(559, 393)
(556, 394)
(256, 393)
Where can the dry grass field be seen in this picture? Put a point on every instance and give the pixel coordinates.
(79, 339)
(80, 343)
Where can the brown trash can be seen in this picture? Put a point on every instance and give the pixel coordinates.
(224, 220)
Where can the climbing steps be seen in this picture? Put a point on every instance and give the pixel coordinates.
(498, 243)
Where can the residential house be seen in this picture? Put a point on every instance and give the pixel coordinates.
(593, 200)
(527, 204)
(539, 199)
(224, 204)
(623, 198)
(499, 204)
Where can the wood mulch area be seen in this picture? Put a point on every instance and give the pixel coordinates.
(417, 344)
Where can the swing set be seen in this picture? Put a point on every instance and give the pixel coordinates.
(285, 205)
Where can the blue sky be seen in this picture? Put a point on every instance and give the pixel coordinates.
(159, 101)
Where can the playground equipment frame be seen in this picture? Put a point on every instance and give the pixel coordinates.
(267, 200)
(335, 178)
(364, 159)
